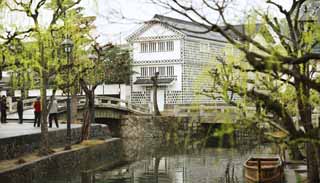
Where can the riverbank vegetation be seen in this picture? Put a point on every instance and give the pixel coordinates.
(271, 64)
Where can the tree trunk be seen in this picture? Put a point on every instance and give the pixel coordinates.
(305, 112)
(44, 141)
(88, 116)
(295, 152)
(312, 163)
(156, 169)
(85, 126)
(74, 107)
(154, 79)
(156, 111)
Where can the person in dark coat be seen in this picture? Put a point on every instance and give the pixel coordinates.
(4, 108)
(37, 112)
(20, 110)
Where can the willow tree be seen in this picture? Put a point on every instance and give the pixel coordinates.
(295, 31)
(107, 64)
(80, 27)
(47, 44)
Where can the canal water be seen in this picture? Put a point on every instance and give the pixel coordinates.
(187, 161)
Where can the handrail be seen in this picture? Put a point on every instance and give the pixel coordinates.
(100, 101)
(202, 110)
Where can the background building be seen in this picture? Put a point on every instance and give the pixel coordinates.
(179, 52)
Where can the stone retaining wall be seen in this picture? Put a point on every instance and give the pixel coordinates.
(69, 163)
(13, 147)
(153, 127)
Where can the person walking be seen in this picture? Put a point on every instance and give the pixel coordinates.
(20, 110)
(4, 108)
(53, 113)
(37, 112)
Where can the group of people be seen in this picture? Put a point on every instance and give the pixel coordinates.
(53, 112)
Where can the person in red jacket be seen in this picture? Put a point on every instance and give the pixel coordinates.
(37, 112)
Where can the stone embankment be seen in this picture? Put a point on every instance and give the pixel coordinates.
(16, 146)
(156, 126)
(71, 162)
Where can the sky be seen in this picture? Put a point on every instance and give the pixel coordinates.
(117, 19)
(112, 28)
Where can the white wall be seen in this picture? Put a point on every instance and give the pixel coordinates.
(172, 55)
(36, 93)
(114, 89)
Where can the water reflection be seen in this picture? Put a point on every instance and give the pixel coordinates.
(156, 161)
(206, 167)
(88, 177)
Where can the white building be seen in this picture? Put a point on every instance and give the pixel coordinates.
(173, 48)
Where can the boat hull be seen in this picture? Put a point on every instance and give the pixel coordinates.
(263, 170)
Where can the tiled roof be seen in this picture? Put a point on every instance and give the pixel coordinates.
(189, 28)
(148, 81)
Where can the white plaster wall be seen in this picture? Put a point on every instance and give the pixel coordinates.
(112, 89)
(173, 55)
(125, 93)
(177, 85)
(36, 93)
(136, 70)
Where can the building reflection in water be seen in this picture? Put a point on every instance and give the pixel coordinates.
(197, 168)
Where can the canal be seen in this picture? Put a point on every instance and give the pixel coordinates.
(177, 161)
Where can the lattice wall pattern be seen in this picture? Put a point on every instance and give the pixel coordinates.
(138, 97)
(173, 97)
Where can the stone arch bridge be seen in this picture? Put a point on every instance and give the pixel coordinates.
(106, 107)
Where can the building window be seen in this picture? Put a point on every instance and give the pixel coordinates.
(170, 46)
(162, 46)
(170, 70)
(152, 71)
(144, 71)
(162, 71)
(152, 47)
(144, 47)
(204, 47)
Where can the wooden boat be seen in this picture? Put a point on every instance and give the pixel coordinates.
(263, 170)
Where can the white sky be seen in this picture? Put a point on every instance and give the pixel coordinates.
(138, 11)
(112, 28)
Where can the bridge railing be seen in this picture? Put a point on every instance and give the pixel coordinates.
(100, 101)
(27, 104)
(119, 103)
(203, 110)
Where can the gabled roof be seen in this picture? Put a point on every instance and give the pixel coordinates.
(189, 28)
(186, 28)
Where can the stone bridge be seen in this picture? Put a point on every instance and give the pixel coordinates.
(106, 107)
(208, 114)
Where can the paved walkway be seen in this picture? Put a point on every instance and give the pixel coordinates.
(15, 129)
(27, 115)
